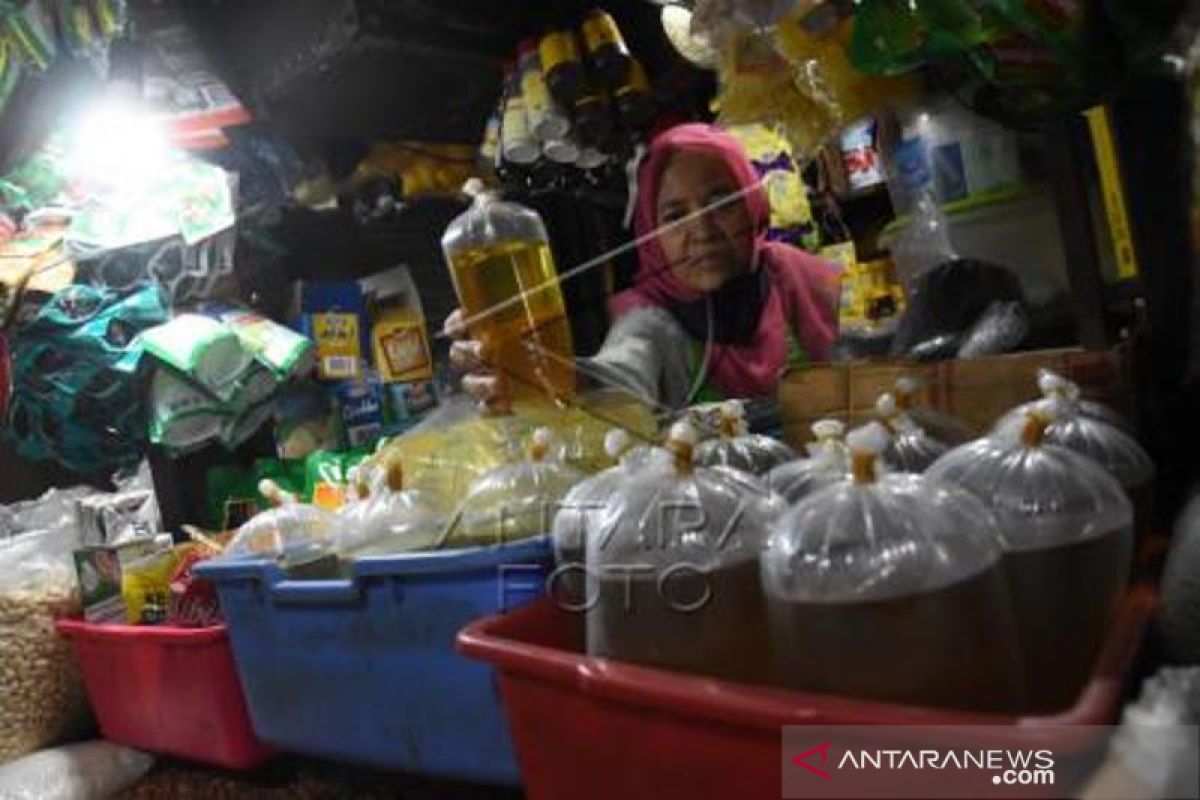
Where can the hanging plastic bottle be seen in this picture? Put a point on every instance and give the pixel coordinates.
(562, 65)
(606, 47)
(546, 121)
(517, 144)
(911, 448)
(883, 586)
(673, 580)
(635, 98)
(561, 151)
(1067, 531)
(503, 272)
(828, 462)
(736, 447)
(583, 506)
(593, 121)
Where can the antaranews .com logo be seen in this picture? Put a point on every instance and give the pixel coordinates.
(1009, 767)
(934, 761)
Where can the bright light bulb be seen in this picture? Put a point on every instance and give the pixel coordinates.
(117, 144)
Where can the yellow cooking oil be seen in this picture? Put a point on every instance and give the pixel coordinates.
(513, 304)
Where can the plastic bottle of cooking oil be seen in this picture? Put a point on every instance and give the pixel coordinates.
(503, 271)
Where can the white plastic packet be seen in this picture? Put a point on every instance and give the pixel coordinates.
(85, 771)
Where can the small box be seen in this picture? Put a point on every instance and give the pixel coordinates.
(100, 571)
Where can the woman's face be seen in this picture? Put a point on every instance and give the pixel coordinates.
(713, 245)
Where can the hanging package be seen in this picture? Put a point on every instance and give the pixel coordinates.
(205, 350)
(673, 579)
(1067, 531)
(75, 398)
(737, 448)
(884, 585)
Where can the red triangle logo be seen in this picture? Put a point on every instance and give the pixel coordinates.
(823, 749)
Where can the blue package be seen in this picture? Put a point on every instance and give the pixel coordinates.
(360, 409)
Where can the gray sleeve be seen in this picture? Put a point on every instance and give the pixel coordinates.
(646, 353)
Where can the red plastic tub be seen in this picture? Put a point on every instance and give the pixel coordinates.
(172, 691)
(591, 729)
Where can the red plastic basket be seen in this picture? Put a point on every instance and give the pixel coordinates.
(172, 691)
(592, 729)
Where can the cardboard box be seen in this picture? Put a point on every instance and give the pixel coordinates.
(975, 391)
(100, 570)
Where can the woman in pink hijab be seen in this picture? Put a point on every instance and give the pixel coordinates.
(716, 311)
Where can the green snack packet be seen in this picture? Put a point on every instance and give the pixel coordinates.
(256, 386)
(239, 429)
(183, 417)
(288, 475)
(201, 348)
(282, 350)
(231, 497)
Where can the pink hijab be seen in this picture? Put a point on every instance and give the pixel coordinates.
(801, 289)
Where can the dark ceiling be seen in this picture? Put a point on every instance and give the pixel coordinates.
(415, 69)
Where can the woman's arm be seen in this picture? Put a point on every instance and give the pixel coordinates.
(646, 353)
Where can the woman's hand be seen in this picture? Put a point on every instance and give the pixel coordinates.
(480, 382)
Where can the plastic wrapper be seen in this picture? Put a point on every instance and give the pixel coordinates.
(42, 701)
(515, 501)
(388, 518)
(735, 447)
(828, 462)
(581, 511)
(1055, 387)
(945, 304)
(881, 585)
(74, 772)
(1180, 617)
(908, 393)
(910, 448)
(923, 243)
(1095, 436)
(672, 580)
(296, 534)
(455, 445)
(1067, 532)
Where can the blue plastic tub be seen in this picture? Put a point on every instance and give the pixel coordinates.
(364, 669)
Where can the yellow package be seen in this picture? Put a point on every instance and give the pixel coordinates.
(339, 352)
(401, 347)
(146, 585)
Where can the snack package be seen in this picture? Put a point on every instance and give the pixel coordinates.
(193, 601)
(146, 583)
(286, 353)
(183, 416)
(202, 349)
